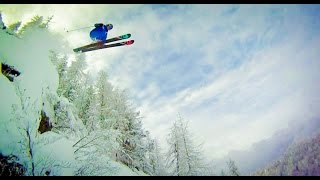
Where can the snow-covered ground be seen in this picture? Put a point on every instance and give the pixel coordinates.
(123, 170)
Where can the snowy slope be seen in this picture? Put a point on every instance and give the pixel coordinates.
(29, 55)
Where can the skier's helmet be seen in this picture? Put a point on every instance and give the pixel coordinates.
(109, 26)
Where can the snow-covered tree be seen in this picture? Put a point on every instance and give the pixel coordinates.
(155, 158)
(233, 169)
(173, 154)
(85, 109)
(90, 118)
(184, 157)
(60, 62)
(27, 28)
(75, 79)
(36, 23)
(104, 94)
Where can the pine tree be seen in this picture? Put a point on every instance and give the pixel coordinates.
(155, 158)
(91, 118)
(75, 79)
(45, 23)
(60, 62)
(184, 155)
(137, 141)
(174, 151)
(13, 28)
(233, 169)
(86, 100)
(36, 21)
(103, 96)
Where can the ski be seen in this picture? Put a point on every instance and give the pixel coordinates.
(125, 36)
(9, 71)
(107, 46)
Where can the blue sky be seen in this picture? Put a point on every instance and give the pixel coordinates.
(238, 73)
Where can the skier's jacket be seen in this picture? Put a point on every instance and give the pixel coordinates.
(100, 32)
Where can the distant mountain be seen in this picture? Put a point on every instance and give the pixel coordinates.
(301, 159)
(266, 151)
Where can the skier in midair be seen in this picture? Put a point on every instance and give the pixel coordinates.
(99, 36)
(100, 32)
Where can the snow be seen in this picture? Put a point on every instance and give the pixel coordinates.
(124, 170)
(61, 152)
(20, 54)
(7, 99)
(29, 56)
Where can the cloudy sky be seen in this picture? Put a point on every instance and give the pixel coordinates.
(238, 73)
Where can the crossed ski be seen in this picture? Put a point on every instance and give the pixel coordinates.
(103, 44)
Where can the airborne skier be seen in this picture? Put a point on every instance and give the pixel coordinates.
(99, 36)
(100, 32)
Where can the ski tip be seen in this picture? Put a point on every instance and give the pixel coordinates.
(130, 42)
(126, 36)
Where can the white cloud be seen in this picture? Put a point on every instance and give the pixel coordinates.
(252, 102)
